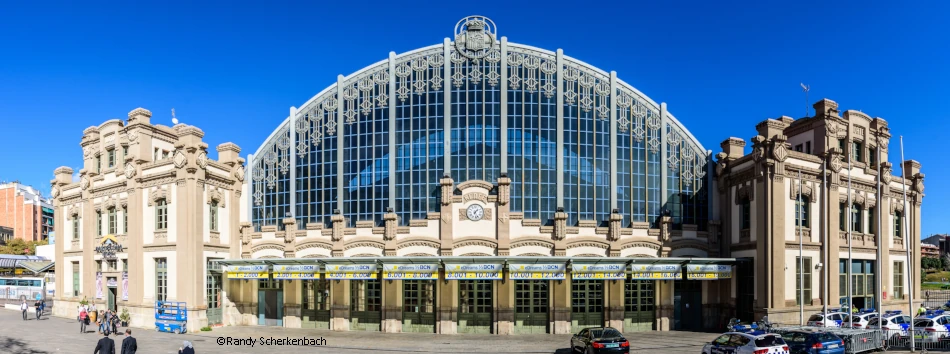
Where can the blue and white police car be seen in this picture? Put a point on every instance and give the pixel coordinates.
(746, 343)
(861, 319)
(894, 323)
(932, 327)
(834, 318)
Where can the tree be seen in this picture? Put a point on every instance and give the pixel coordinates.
(945, 262)
(18, 246)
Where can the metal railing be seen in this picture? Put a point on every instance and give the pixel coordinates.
(855, 340)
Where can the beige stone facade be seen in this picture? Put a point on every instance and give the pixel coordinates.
(758, 195)
(153, 190)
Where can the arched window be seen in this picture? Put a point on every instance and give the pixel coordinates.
(802, 212)
(161, 214)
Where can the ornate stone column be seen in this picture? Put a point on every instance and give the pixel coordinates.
(445, 231)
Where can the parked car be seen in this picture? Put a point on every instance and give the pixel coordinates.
(598, 340)
(813, 342)
(861, 319)
(894, 323)
(932, 327)
(746, 343)
(835, 318)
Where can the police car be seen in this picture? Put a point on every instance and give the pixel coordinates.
(861, 319)
(834, 319)
(745, 343)
(932, 327)
(894, 323)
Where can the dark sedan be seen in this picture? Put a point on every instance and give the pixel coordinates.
(599, 340)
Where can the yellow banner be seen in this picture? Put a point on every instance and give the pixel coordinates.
(244, 275)
(404, 275)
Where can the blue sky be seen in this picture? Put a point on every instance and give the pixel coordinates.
(234, 68)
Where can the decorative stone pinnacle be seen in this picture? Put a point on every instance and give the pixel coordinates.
(140, 112)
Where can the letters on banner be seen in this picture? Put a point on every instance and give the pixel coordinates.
(608, 271)
(310, 271)
(411, 271)
(550, 271)
(351, 271)
(708, 272)
(247, 272)
(473, 271)
(656, 272)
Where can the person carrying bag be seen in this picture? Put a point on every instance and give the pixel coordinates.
(83, 320)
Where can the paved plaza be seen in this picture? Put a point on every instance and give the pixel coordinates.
(60, 335)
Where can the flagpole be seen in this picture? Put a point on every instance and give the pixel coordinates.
(907, 244)
(824, 231)
(801, 259)
(880, 232)
(850, 146)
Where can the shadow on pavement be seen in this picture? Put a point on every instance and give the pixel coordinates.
(563, 351)
(16, 346)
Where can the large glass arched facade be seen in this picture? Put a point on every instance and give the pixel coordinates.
(384, 137)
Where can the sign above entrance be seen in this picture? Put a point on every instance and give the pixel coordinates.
(411, 271)
(547, 271)
(351, 271)
(247, 272)
(473, 271)
(656, 272)
(108, 247)
(601, 271)
(708, 272)
(311, 271)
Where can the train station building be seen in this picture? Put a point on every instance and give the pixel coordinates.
(472, 186)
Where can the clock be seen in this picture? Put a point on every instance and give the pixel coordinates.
(475, 212)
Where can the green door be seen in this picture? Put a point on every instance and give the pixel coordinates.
(587, 304)
(366, 305)
(638, 305)
(418, 306)
(475, 306)
(111, 304)
(315, 309)
(214, 298)
(531, 306)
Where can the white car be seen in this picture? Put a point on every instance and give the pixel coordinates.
(745, 343)
(932, 327)
(895, 324)
(834, 319)
(862, 319)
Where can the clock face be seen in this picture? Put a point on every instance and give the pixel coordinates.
(475, 212)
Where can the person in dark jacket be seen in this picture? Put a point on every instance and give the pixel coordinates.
(129, 345)
(105, 346)
(186, 348)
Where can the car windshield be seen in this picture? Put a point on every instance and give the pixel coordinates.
(923, 323)
(825, 337)
(605, 333)
(769, 341)
(815, 318)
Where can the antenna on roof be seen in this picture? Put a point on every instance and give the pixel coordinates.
(805, 89)
(174, 120)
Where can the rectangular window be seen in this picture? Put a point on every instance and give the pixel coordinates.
(745, 218)
(842, 146)
(113, 222)
(155, 155)
(801, 211)
(898, 280)
(112, 266)
(125, 265)
(125, 152)
(161, 215)
(898, 224)
(213, 215)
(842, 217)
(161, 279)
(112, 158)
(872, 226)
(99, 223)
(98, 164)
(99, 266)
(125, 220)
(843, 281)
(872, 157)
(856, 215)
(164, 154)
(799, 148)
(808, 147)
(799, 286)
(76, 228)
(75, 278)
(857, 151)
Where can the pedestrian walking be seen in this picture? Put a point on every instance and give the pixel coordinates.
(23, 308)
(39, 311)
(107, 322)
(83, 320)
(186, 348)
(105, 346)
(129, 344)
(115, 323)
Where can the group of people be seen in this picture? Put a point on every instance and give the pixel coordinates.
(107, 320)
(40, 307)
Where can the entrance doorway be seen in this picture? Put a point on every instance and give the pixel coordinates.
(531, 306)
(214, 298)
(270, 302)
(475, 306)
(638, 305)
(587, 304)
(111, 304)
(745, 289)
(315, 312)
(418, 306)
(687, 305)
(366, 305)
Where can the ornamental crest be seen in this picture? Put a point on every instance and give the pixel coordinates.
(474, 36)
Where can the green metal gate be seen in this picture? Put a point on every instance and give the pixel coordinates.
(531, 306)
(214, 297)
(475, 306)
(418, 306)
(587, 304)
(315, 309)
(638, 315)
(366, 305)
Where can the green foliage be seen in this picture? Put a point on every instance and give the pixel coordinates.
(206, 329)
(20, 247)
(125, 316)
(945, 262)
(84, 302)
(932, 263)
